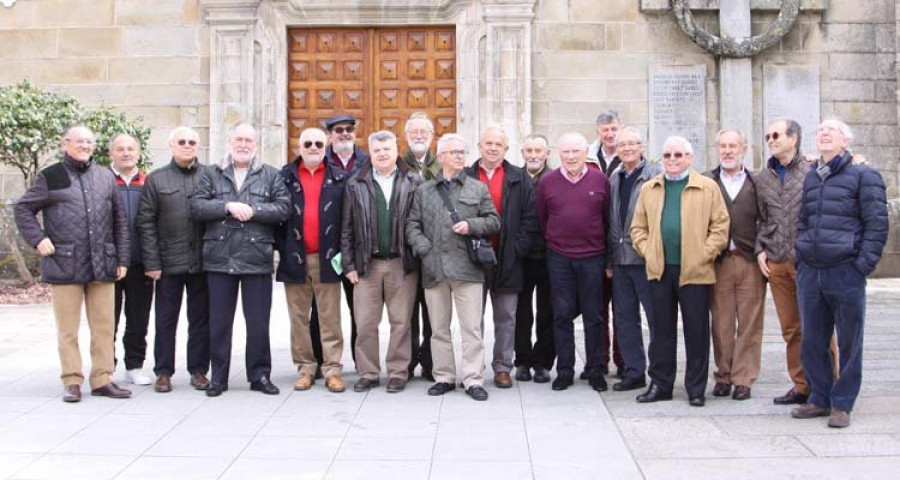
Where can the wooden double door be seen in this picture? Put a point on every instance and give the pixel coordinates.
(379, 75)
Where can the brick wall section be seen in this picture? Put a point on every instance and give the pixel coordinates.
(147, 60)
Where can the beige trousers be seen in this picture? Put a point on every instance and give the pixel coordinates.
(328, 301)
(98, 298)
(468, 299)
(736, 305)
(384, 284)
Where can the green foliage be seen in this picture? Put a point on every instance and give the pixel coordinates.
(32, 122)
(106, 123)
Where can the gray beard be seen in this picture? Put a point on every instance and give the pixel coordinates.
(418, 149)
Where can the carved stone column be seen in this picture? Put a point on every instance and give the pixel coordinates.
(507, 68)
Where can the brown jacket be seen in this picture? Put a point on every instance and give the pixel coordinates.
(779, 208)
(704, 228)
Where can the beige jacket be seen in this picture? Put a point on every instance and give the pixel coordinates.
(704, 228)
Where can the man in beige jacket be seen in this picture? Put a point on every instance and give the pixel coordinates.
(680, 226)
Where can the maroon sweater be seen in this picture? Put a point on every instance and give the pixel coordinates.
(574, 218)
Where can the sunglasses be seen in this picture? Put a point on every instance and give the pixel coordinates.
(675, 155)
(341, 130)
(773, 136)
(309, 144)
(184, 142)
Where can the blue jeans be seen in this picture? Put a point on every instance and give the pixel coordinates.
(631, 289)
(830, 298)
(577, 285)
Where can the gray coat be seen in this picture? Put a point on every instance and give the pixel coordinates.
(442, 252)
(231, 246)
(619, 249)
(83, 217)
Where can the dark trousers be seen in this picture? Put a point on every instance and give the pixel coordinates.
(316, 337)
(421, 348)
(832, 298)
(169, 292)
(576, 284)
(541, 353)
(631, 289)
(136, 292)
(608, 322)
(663, 352)
(256, 298)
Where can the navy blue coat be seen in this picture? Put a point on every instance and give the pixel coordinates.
(843, 216)
(131, 200)
(289, 236)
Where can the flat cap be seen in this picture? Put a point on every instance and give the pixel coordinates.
(337, 119)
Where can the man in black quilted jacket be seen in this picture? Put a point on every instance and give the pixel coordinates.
(85, 248)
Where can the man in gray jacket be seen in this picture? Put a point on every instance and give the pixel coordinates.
(438, 236)
(631, 289)
(172, 245)
(85, 248)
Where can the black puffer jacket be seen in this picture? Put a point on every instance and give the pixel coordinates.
(83, 217)
(171, 240)
(359, 229)
(518, 226)
(843, 217)
(231, 246)
(130, 195)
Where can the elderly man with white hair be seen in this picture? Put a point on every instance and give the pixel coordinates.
(573, 209)
(841, 233)
(680, 226)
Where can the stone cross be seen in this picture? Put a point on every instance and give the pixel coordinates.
(736, 76)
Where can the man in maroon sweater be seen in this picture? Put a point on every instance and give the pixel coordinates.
(573, 208)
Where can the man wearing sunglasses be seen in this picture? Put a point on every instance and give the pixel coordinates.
(680, 226)
(172, 246)
(307, 242)
(241, 200)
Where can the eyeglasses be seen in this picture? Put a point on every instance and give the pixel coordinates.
(456, 153)
(309, 144)
(418, 133)
(340, 130)
(628, 144)
(676, 155)
(773, 136)
(184, 142)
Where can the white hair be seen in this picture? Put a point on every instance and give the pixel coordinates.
(447, 138)
(681, 141)
(574, 136)
(841, 125)
(419, 116)
(182, 130)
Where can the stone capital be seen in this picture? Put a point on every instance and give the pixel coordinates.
(508, 11)
(229, 12)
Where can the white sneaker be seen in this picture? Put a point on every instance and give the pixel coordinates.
(138, 377)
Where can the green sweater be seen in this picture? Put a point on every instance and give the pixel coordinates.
(671, 221)
(384, 220)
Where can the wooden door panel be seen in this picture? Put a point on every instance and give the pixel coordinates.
(379, 75)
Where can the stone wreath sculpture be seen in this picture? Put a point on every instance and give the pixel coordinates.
(726, 46)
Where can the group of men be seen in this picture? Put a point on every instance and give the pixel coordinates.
(607, 226)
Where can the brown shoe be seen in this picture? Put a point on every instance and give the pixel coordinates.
(304, 382)
(396, 385)
(839, 419)
(111, 390)
(741, 393)
(365, 384)
(809, 410)
(199, 381)
(792, 396)
(163, 383)
(335, 384)
(502, 380)
(72, 393)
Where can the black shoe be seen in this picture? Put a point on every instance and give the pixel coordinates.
(441, 388)
(653, 394)
(561, 383)
(477, 392)
(216, 389)
(697, 400)
(620, 371)
(741, 393)
(791, 397)
(319, 375)
(265, 386)
(604, 369)
(722, 389)
(365, 384)
(523, 374)
(541, 375)
(630, 384)
(598, 383)
(584, 376)
(426, 374)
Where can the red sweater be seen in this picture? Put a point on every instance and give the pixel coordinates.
(574, 217)
(312, 190)
(495, 187)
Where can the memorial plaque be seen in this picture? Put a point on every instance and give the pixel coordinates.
(792, 91)
(678, 107)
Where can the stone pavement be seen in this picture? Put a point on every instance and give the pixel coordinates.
(528, 431)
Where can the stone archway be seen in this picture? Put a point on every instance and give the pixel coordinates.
(248, 59)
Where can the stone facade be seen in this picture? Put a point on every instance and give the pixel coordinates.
(531, 65)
